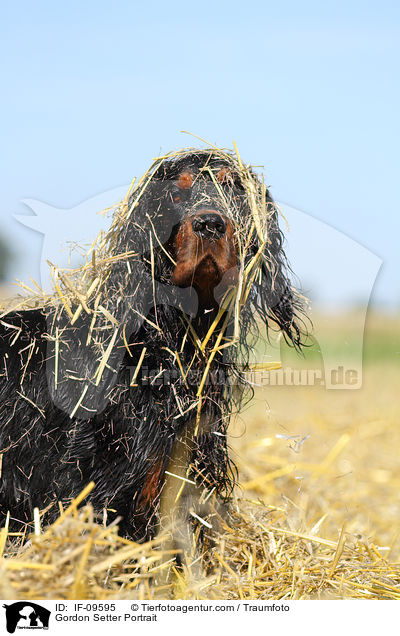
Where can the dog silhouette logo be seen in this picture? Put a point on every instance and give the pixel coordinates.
(26, 615)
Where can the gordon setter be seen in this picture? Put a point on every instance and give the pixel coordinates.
(128, 377)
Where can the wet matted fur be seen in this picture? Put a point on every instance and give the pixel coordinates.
(146, 346)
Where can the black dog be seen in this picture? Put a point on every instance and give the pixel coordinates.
(130, 373)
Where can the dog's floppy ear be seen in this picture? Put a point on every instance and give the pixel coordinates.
(275, 298)
(85, 353)
(84, 356)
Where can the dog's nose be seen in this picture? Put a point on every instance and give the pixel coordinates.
(209, 226)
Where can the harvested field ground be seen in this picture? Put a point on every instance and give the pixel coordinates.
(316, 512)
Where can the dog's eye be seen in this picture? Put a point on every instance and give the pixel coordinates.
(175, 194)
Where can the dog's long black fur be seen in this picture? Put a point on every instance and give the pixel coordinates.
(64, 423)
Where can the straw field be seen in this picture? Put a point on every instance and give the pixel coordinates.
(315, 513)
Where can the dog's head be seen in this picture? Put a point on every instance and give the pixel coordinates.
(211, 225)
(199, 193)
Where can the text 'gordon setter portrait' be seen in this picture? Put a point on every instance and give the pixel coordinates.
(128, 374)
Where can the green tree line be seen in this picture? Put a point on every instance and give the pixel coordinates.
(5, 258)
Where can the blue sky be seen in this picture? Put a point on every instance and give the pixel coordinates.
(91, 92)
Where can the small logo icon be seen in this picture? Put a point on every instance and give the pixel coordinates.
(26, 615)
